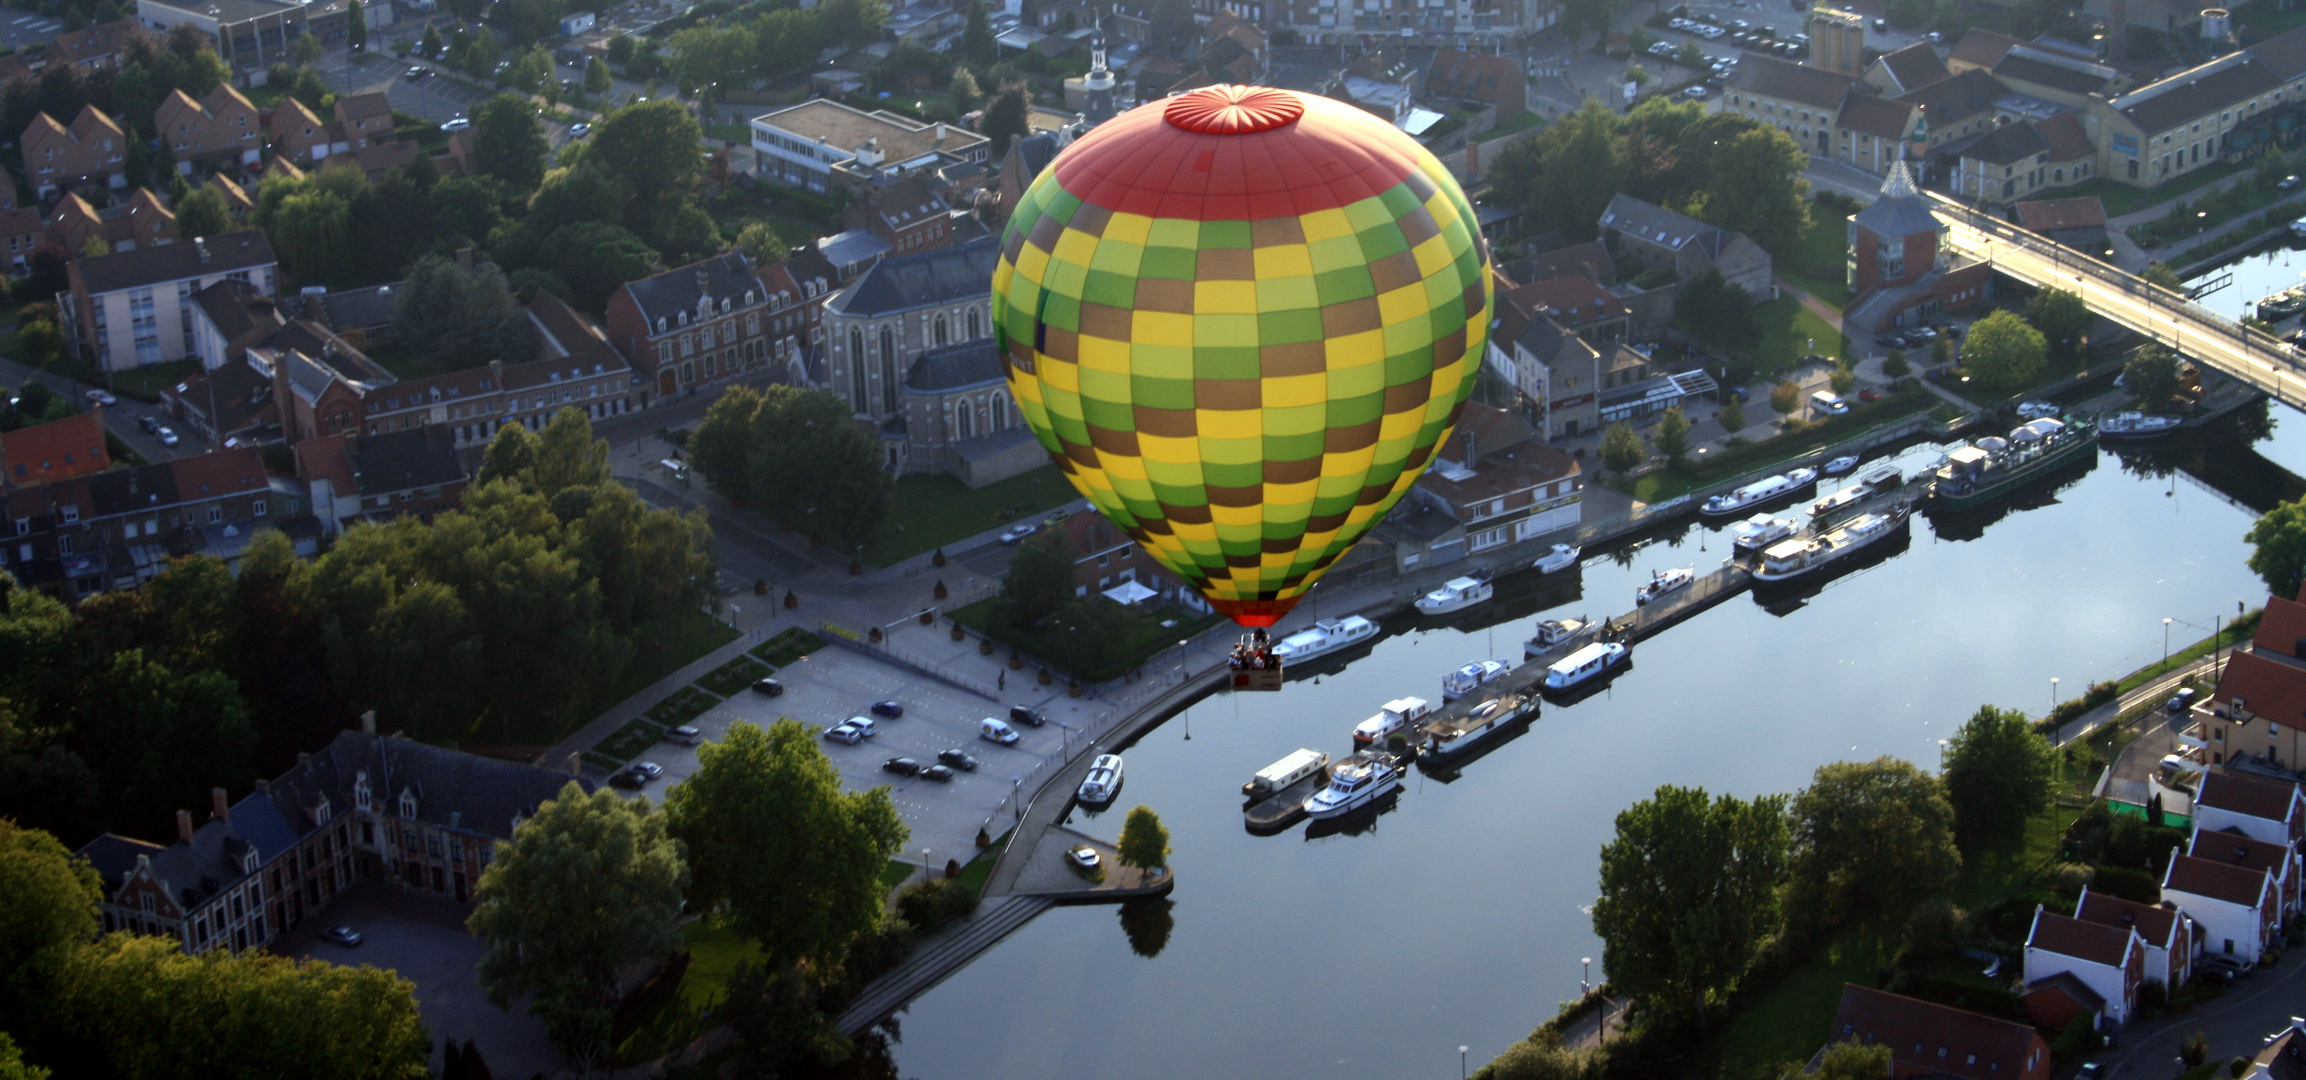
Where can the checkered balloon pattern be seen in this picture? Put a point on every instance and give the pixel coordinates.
(1242, 320)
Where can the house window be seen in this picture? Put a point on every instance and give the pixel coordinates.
(256, 508)
(71, 514)
(407, 805)
(215, 514)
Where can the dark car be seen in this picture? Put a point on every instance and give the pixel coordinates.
(150, 424)
(958, 758)
(1028, 715)
(1892, 341)
(889, 709)
(626, 779)
(902, 766)
(2178, 702)
(1741, 393)
(770, 687)
(342, 935)
(938, 773)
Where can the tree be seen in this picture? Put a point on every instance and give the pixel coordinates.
(355, 26)
(683, 232)
(13, 1065)
(853, 22)
(964, 90)
(2160, 273)
(1039, 581)
(1866, 836)
(461, 318)
(159, 740)
(1844, 377)
(1146, 922)
(1672, 435)
(797, 456)
(772, 835)
(1144, 840)
(463, 209)
(567, 455)
(306, 50)
(1895, 366)
(2152, 377)
(651, 150)
(429, 47)
(1847, 1059)
(1587, 16)
(507, 143)
(1539, 1059)
(1581, 166)
(311, 228)
(51, 909)
(2278, 554)
(2063, 320)
(1942, 351)
(1171, 25)
(201, 212)
(594, 258)
(1621, 449)
(586, 886)
(2002, 352)
(1005, 117)
(1754, 186)
(1998, 773)
(1733, 414)
(597, 77)
(1708, 307)
(761, 244)
(1688, 893)
(977, 45)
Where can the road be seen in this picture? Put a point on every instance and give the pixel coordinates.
(121, 419)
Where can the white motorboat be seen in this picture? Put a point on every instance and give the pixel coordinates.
(1839, 500)
(1354, 783)
(1760, 491)
(1471, 677)
(1393, 716)
(2136, 425)
(2298, 228)
(1842, 466)
(1450, 737)
(1325, 636)
(1586, 664)
(1760, 531)
(1456, 594)
(1796, 558)
(1103, 781)
(1552, 634)
(1662, 582)
(1562, 557)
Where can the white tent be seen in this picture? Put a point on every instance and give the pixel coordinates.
(1129, 593)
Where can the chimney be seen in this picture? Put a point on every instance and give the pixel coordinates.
(575, 765)
(940, 133)
(217, 804)
(368, 719)
(200, 244)
(184, 826)
(496, 379)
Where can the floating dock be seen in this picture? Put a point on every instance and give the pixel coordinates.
(1285, 807)
(1703, 593)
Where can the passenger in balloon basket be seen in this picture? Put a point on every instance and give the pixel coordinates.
(1253, 652)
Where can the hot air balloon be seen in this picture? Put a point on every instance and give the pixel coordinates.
(1242, 320)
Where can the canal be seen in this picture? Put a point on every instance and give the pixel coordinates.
(2262, 273)
(1458, 916)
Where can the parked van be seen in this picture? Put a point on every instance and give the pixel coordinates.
(992, 729)
(686, 735)
(1826, 402)
(1289, 770)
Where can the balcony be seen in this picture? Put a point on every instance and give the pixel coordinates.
(2194, 738)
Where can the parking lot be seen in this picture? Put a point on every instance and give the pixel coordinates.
(833, 684)
(19, 28)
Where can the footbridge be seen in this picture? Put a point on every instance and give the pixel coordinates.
(2192, 331)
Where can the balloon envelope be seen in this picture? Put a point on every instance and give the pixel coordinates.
(1242, 320)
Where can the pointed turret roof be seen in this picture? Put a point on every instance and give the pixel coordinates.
(1902, 209)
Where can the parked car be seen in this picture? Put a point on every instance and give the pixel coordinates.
(456, 123)
(100, 397)
(888, 709)
(578, 131)
(902, 766)
(1694, 93)
(1869, 394)
(851, 732)
(166, 436)
(1084, 857)
(939, 773)
(769, 687)
(686, 735)
(992, 729)
(342, 935)
(647, 770)
(2287, 183)
(2233, 966)
(1922, 335)
(1891, 341)
(1741, 393)
(627, 779)
(2180, 700)
(150, 424)
(1016, 533)
(415, 73)
(1028, 715)
(958, 758)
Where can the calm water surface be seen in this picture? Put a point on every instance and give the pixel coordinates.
(1458, 916)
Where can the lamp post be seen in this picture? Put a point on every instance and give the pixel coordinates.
(2053, 693)
(1016, 811)
(1585, 984)
(1461, 1062)
(2165, 641)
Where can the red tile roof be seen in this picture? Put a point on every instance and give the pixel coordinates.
(2152, 923)
(1879, 117)
(1589, 260)
(2045, 215)
(325, 458)
(2067, 138)
(2216, 880)
(2232, 846)
(1983, 48)
(2282, 627)
(2253, 796)
(2269, 687)
(2094, 942)
(1938, 1040)
(223, 472)
(1573, 301)
(57, 450)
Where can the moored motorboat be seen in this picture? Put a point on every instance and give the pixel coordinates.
(1393, 716)
(1471, 677)
(1552, 634)
(1662, 582)
(1325, 636)
(1354, 783)
(2298, 228)
(2136, 425)
(1454, 736)
(1586, 665)
(1760, 531)
(1839, 500)
(2283, 305)
(1562, 557)
(1766, 489)
(1800, 557)
(1841, 466)
(1103, 781)
(1457, 594)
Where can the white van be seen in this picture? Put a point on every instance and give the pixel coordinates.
(992, 729)
(1826, 402)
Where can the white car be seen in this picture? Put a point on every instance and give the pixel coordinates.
(1694, 93)
(167, 436)
(458, 123)
(1016, 533)
(99, 397)
(1084, 857)
(856, 730)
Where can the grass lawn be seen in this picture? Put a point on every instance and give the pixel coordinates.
(1659, 485)
(1516, 124)
(715, 951)
(684, 705)
(735, 133)
(2228, 636)
(2123, 199)
(734, 676)
(1815, 264)
(931, 511)
(1790, 332)
(1128, 638)
(664, 649)
(788, 646)
(629, 741)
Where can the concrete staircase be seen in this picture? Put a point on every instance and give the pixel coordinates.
(934, 960)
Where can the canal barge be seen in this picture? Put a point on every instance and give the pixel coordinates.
(1765, 490)
(1451, 737)
(1323, 637)
(1993, 466)
(1802, 557)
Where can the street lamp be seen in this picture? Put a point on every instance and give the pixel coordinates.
(2053, 693)
(1586, 984)
(1461, 1062)
(2165, 641)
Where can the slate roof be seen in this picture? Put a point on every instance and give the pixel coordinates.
(1653, 224)
(2232, 846)
(2027, 64)
(56, 450)
(2204, 89)
(921, 279)
(1901, 210)
(1984, 48)
(1913, 67)
(237, 310)
(2008, 144)
(1771, 77)
(906, 203)
(1542, 338)
(360, 309)
(212, 255)
(242, 394)
(2251, 796)
(1880, 117)
(1589, 260)
(2091, 941)
(1035, 152)
(1951, 101)
(1935, 1039)
(674, 293)
(2152, 922)
(422, 456)
(123, 491)
(2284, 53)
(2067, 139)
(2214, 879)
(982, 447)
(955, 367)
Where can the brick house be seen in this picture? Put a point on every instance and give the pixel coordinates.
(412, 471)
(221, 128)
(142, 221)
(113, 530)
(133, 308)
(2232, 845)
(909, 214)
(692, 326)
(91, 151)
(2258, 713)
(2165, 931)
(365, 120)
(1105, 558)
(796, 288)
(94, 48)
(1503, 485)
(56, 450)
(2238, 908)
(301, 136)
(1930, 1040)
(2110, 960)
(1479, 77)
(366, 807)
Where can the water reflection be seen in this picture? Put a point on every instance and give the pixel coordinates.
(1146, 922)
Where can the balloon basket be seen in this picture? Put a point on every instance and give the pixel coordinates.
(1253, 665)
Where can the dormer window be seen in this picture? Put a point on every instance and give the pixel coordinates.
(725, 304)
(248, 861)
(748, 297)
(360, 788)
(320, 810)
(684, 318)
(408, 806)
(660, 324)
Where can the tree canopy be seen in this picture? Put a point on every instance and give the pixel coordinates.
(2063, 320)
(2002, 352)
(1998, 773)
(460, 318)
(1144, 840)
(1727, 169)
(2152, 377)
(1688, 894)
(799, 457)
(508, 143)
(1868, 837)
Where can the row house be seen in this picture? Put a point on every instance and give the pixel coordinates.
(367, 807)
(909, 214)
(222, 128)
(56, 450)
(2237, 907)
(2110, 961)
(1481, 78)
(91, 151)
(142, 221)
(1656, 237)
(1500, 483)
(2238, 848)
(375, 478)
(1465, 24)
(1928, 1040)
(116, 529)
(95, 48)
(2224, 110)
(133, 308)
(2168, 935)
(692, 326)
(2256, 715)
(2284, 1057)
(1106, 561)
(22, 228)
(361, 126)
(797, 288)
(2265, 809)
